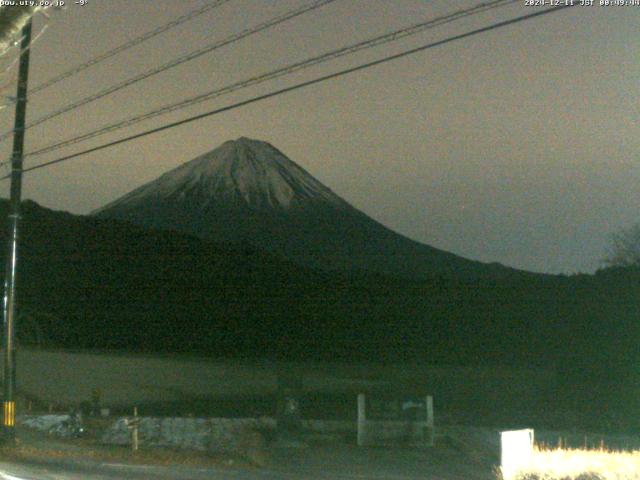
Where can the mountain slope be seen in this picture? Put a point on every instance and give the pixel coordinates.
(247, 190)
(102, 283)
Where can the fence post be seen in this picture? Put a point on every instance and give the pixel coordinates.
(362, 419)
(288, 415)
(134, 433)
(430, 422)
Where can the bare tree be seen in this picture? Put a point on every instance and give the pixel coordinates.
(624, 250)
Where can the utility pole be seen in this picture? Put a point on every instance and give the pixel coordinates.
(9, 417)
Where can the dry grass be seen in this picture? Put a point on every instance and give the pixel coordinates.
(157, 456)
(35, 447)
(579, 464)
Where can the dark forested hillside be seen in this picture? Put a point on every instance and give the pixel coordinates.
(86, 282)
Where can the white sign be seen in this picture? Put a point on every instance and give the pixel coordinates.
(517, 451)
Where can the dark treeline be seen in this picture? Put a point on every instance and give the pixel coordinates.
(90, 283)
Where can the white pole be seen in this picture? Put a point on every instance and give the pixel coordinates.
(134, 433)
(430, 422)
(362, 419)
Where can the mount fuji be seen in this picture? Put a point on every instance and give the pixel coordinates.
(247, 191)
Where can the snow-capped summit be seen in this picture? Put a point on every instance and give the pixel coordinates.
(242, 171)
(247, 190)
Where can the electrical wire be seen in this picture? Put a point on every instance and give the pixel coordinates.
(301, 85)
(175, 62)
(127, 45)
(280, 72)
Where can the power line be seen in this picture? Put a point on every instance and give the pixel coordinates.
(127, 45)
(280, 72)
(175, 62)
(301, 85)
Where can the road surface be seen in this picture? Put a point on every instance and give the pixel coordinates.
(345, 463)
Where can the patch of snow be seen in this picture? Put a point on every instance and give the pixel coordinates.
(43, 423)
(249, 170)
(205, 434)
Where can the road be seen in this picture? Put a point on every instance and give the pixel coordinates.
(462, 453)
(111, 472)
(125, 472)
(344, 463)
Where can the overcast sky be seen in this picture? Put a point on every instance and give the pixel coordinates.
(519, 146)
